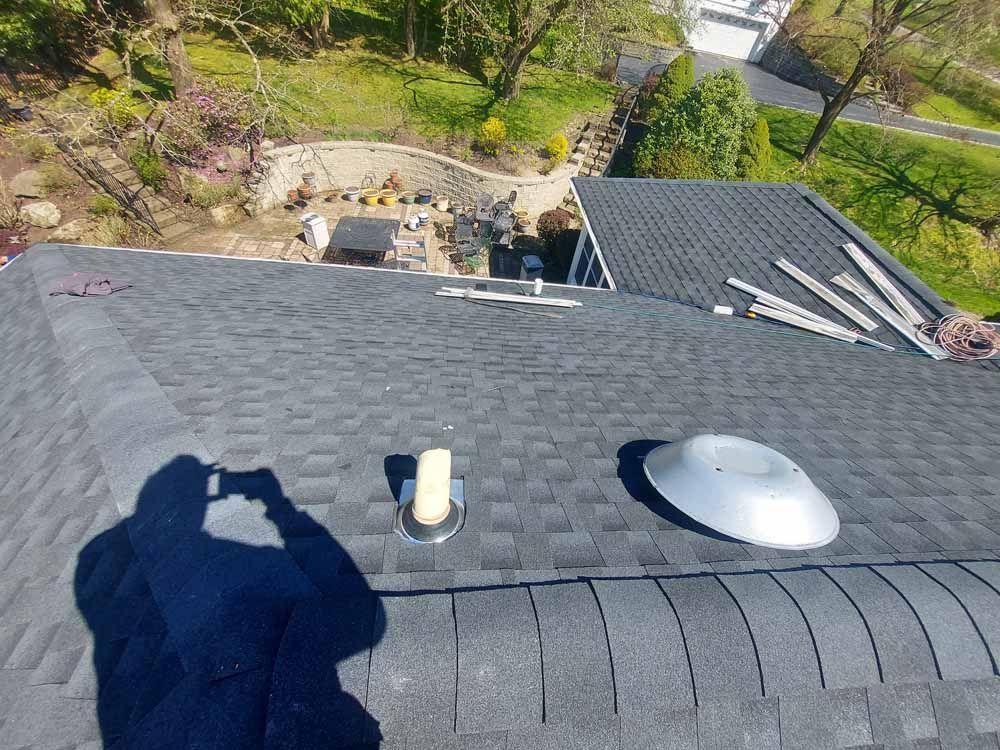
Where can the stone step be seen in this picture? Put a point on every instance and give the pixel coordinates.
(177, 229)
(165, 217)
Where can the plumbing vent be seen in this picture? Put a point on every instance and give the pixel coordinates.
(744, 490)
(431, 507)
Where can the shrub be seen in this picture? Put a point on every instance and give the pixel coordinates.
(207, 116)
(755, 155)
(675, 163)
(36, 147)
(10, 208)
(552, 223)
(671, 87)
(103, 205)
(557, 147)
(116, 106)
(708, 123)
(205, 194)
(492, 135)
(150, 167)
(57, 179)
(108, 231)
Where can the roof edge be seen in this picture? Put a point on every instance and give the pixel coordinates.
(895, 268)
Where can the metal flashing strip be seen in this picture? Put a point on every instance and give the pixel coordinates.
(826, 294)
(896, 321)
(880, 280)
(777, 302)
(835, 331)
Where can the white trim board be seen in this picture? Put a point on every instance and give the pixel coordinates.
(597, 246)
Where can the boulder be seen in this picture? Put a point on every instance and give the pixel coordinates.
(266, 145)
(28, 184)
(226, 214)
(42, 214)
(71, 231)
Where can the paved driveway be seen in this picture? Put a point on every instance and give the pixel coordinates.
(769, 89)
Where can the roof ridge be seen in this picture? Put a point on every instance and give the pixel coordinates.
(137, 432)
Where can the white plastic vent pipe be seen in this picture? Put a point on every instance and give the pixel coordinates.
(431, 498)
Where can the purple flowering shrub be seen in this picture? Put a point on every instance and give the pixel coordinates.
(207, 119)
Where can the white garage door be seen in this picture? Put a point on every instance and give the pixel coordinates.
(726, 35)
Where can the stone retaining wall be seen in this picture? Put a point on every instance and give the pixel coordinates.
(784, 58)
(338, 164)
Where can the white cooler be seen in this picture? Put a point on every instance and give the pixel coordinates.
(316, 232)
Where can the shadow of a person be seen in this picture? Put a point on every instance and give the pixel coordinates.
(210, 633)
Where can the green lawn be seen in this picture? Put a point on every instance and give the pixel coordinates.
(958, 95)
(364, 93)
(915, 195)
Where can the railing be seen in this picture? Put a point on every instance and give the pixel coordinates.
(129, 200)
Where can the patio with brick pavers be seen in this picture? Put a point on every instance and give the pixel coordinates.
(277, 235)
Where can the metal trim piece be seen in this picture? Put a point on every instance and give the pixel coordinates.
(743, 490)
(880, 280)
(774, 300)
(894, 319)
(826, 294)
(411, 530)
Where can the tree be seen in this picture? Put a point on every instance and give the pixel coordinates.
(707, 124)
(873, 40)
(755, 155)
(674, 83)
(167, 26)
(410, 28)
(40, 28)
(511, 30)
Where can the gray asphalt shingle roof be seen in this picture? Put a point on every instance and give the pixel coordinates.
(681, 240)
(147, 602)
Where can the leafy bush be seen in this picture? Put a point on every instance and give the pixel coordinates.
(57, 179)
(103, 205)
(115, 106)
(675, 163)
(557, 147)
(492, 135)
(670, 88)
(206, 194)
(755, 155)
(150, 167)
(207, 116)
(36, 147)
(10, 208)
(560, 240)
(708, 123)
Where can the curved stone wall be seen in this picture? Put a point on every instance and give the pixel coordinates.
(341, 163)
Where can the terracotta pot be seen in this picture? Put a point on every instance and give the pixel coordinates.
(305, 192)
(369, 196)
(408, 197)
(293, 195)
(352, 193)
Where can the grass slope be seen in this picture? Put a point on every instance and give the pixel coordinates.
(915, 195)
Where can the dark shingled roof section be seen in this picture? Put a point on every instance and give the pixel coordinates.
(147, 604)
(681, 240)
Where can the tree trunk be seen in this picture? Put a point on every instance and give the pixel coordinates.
(410, 28)
(841, 7)
(510, 79)
(941, 68)
(833, 107)
(167, 25)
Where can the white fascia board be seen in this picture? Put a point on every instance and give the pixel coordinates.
(590, 231)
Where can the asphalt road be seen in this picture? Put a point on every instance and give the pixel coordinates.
(769, 89)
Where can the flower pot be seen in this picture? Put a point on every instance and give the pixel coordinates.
(408, 197)
(305, 192)
(293, 195)
(423, 218)
(441, 203)
(412, 223)
(309, 178)
(352, 193)
(388, 197)
(369, 196)
(523, 224)
(424, 196)
(521, 213)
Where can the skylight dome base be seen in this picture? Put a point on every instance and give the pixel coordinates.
(743, 490)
